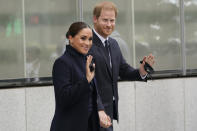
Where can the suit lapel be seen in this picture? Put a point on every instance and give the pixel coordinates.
(101, 50)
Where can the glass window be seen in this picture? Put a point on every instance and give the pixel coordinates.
(157, 30)
(46, 24)
(11, 44)
(191, 33)
(33, 33)
(33, 36)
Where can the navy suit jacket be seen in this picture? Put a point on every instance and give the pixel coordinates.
(72, 92)
(106, 77)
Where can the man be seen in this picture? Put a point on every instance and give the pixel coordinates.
(110, 63)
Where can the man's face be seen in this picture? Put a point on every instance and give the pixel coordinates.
(105, 23)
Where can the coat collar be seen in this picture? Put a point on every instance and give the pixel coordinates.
(74, 52)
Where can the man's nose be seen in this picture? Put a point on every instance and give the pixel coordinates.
(108, 23)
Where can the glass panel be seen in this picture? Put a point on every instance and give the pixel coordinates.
(191, 33)
(123, 30)
(46, 24)
(157, 30)
(11, 44)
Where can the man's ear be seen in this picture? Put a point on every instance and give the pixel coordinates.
(94, 19)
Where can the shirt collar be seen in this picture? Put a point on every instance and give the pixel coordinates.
(100, 37)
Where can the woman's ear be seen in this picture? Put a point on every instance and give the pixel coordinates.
(70, 38)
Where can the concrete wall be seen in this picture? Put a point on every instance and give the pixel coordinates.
(159, 105)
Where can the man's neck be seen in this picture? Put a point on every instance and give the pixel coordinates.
(100, 37)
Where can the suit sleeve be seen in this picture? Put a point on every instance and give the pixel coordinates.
(99, 102)
(126, 72)
(66, 93)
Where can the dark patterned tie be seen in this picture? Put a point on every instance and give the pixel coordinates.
(107, 46)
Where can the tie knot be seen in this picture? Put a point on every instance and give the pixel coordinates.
(106, 43)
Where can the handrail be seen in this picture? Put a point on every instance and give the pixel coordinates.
(47, 81)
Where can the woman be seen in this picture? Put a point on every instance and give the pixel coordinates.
(74, 84)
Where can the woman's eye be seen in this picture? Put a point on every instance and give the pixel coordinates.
(83, 38)
(90, 39)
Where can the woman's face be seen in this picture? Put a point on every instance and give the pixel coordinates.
(82, 41)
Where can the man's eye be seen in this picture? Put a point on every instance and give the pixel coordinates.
(105, 20)
(111, 21)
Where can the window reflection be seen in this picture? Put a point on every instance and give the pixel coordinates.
(33, 62)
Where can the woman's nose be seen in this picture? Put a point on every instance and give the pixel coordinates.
(87, 42)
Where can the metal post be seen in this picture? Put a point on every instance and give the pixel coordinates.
(182, 34)
(80, 7)
(24, 38)
(133, 32)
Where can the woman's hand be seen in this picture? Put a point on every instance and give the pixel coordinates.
(89, 74)
(105, 120)
(150, 60)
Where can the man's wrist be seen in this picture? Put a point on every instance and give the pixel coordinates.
(143, 76)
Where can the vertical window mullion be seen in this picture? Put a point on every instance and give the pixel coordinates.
(182, 35)
(80, 7)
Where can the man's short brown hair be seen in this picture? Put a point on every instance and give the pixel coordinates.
(106, 5)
